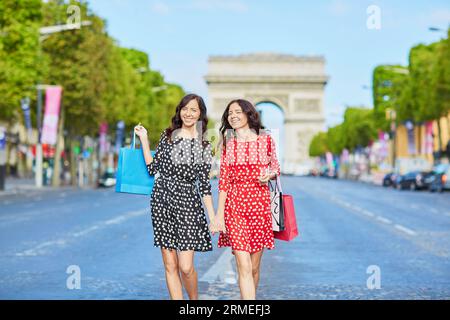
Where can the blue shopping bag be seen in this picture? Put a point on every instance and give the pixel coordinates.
(132, 175)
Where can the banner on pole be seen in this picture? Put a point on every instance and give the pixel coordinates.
(52, 106)
(411, 138)
(25, 104)
(429, 140)
(102, 139)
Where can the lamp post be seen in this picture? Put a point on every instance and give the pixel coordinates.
(392, 116)
(45, 32)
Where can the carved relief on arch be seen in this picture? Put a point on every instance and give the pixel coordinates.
(281, 101)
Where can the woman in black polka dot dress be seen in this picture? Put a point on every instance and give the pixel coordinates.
(182, 164)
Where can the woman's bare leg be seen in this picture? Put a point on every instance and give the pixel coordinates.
(173, 280)
(188, 273)
(244, 267)
(256, 263)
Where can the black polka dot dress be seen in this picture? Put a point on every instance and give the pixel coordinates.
(182, 169)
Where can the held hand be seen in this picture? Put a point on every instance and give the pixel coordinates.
(140, 131)
(213, 226)
(220, 225)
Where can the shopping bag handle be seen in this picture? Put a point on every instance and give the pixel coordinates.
(277, 186)
(133, 145)
(279, 183)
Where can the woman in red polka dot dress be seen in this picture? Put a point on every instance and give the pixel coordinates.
(248, 161)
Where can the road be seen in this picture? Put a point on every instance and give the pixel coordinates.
(346, 229)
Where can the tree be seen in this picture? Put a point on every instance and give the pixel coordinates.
(79, 63)
(441, 79)
(20, 61)
(318, 146)
(426, 76)
(336, 139)
(359, 127)
(389, 83)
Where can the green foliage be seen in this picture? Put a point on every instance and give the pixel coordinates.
(358, 128)
(441, 77)
(318, 146)
(422, 65)
(336, 139)
(388, 86)
(19, 54)
(101, 81)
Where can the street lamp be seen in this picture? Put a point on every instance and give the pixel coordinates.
(45, 32)
(160, 88)
(392, 116)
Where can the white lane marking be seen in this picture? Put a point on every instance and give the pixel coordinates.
(42, 248)
(356, 208)
(434, 210)
(85, 231)
(372, 215)
(221, 270)
(368, 213)
(405, 230)
(384, 220)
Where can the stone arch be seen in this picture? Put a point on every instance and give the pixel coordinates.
(293, 83)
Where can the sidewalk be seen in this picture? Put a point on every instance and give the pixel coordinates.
(14, 186)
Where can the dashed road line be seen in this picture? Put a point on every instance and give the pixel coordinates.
(368, 214)
(384, 220)
(405, 230)
(42, 248)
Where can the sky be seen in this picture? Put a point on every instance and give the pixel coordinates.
(179, 36)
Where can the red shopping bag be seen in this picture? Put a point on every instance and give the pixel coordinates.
(290, 222)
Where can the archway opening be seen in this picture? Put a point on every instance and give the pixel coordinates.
(272, 117)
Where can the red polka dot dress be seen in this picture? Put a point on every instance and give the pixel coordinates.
(248, 219)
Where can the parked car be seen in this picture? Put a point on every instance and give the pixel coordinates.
(108, 179)
(327, 173)
(395, 178)
(415, 180)
(439, 180)
(388, 179)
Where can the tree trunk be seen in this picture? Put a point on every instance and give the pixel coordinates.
(448, 125)
(73, 163)
(440, 135)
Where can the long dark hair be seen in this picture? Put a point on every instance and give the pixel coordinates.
(253, 118)
(176, 119)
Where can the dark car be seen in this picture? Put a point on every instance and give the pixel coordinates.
(388, 179)
(395, 178)
(108, 179)
(415, 180)
(439, 180)
(327, 173)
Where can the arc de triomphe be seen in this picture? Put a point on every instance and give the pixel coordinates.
(293, 83)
